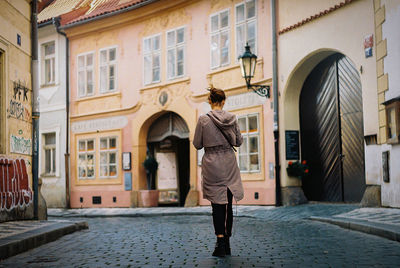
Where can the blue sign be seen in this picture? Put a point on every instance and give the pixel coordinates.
(128, 181)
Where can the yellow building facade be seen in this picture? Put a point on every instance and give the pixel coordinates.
(138, 84)
(16, 110)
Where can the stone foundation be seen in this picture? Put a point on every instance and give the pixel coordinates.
(372, 196)
(192, 199)
(292, 196)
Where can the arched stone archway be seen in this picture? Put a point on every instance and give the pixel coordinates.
(290, 114)
(150, 110)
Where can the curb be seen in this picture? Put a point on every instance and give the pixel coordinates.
(156, 214)
(379, 229)
(22, 242)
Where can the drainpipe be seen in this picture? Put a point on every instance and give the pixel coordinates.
(35, 108)
(278, 200)
(56, 22)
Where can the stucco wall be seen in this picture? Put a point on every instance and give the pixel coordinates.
(302, 48)
(16, 97)
(390, 31)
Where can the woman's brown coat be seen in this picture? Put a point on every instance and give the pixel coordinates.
(219, 167)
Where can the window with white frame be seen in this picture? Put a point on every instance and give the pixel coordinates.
(220, 40)
(108, 157)
(85, 74)
(246, 30)
(151, 59)
(49, 63)
(176, 53)
(49, 154)
(86, 159)
(249, 151)
(108, 69)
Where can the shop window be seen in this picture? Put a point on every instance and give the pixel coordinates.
(393, 120)
(108, 157)
(49, 154)
(249, 151)
(48, 63)
(85, 74)
(108, 69)
(246, 30)
(86, 159)
(152, 59)
(220, 39)
(176, 53)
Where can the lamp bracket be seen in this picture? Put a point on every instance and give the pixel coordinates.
(261, 90)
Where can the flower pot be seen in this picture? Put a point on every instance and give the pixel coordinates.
(148, 198)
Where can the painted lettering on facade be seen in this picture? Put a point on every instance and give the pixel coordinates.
(14, 185)
(116, 122)
(20, 145)
(240, 101)
(16, 108)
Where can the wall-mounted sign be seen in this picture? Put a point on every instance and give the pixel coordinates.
(292, 145)
(126, 160)
(368, 44)
(238, 102)
(20, 145)
(128, 181)
(115, 122)
(385, 166)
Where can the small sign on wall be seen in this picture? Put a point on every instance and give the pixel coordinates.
(292, 145)
(368, 45)
(126, 160)
(128, 181)
(385, 166)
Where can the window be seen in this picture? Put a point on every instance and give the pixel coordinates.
(175, 53)
(49, 150)
(108, 69)
(108, 157)
(220, 39)
(246, 27)
(249, 152)
(393, 120)
(85, 74)
(48, 63)
(151, 59)
(86, 160)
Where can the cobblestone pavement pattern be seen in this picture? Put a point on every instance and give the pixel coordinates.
(188, 241)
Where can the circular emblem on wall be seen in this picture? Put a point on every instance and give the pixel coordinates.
(163, 98)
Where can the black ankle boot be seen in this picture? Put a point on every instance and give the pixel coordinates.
(219, 250)
(227, 246)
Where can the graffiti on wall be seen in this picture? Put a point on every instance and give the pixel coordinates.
(14, 185)
(19, 107)
(20, 145)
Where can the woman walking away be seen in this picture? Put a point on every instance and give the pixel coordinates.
(218, 132)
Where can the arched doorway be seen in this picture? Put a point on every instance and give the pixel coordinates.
(168, 141)
(331, 125)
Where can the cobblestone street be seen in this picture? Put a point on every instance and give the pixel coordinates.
(188, 241)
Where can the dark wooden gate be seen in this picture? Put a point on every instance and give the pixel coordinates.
(332, 131)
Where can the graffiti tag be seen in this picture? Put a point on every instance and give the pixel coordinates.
(14, 185)
(20, 145)
(18, 110)
(20, 89)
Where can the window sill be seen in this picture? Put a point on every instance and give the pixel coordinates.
(48, 85)
(100, 96)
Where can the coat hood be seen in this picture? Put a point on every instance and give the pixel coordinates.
(222, 118)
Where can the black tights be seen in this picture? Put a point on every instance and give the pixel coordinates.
(223, 216)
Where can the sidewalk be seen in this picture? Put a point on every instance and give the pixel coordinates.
(20, 236)
(384, 222)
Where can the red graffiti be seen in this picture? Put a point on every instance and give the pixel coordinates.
(14, 185)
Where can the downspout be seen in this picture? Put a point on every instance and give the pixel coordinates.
(278, 200)
(35, 108)
(56, 22)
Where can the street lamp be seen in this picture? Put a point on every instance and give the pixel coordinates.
(248, 66)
